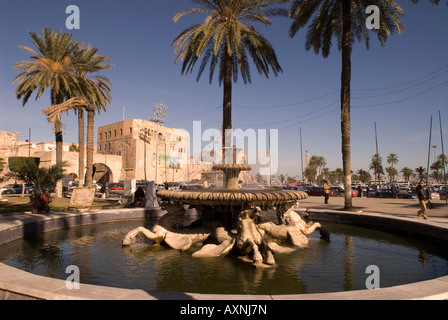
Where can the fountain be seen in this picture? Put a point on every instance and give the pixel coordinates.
(231, 220)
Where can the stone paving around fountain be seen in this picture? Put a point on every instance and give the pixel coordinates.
(394, 214)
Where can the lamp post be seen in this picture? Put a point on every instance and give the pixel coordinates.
(159, 118)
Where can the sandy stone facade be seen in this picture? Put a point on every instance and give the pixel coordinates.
(139, 143)
(125, 150)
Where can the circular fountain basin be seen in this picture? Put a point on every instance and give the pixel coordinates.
(233, 198)
(18, 283)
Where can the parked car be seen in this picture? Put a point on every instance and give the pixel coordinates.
(401, 194)
(16, 188)
(406, 194)
(442, 194)
(115, 186)
(334, 192)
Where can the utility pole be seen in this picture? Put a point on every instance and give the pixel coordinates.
(429, 152)
(159, 118)
(378, 163)
(435, 154)
(444, 159)
(29, 143)
(301, 153)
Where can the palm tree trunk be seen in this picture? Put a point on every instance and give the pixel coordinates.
(82, 151)
(56, 99)
(345, 100)
(227, 104)
(90, 133)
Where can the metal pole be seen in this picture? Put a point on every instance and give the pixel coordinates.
(429, 152)
(301, 152)
(157, 154)
(29, 143)
(270, 172)
(378, 163)
(159, 119)
(444, 159)
(144, 156)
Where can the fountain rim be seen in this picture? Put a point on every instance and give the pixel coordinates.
(225, 197)
(21, 284)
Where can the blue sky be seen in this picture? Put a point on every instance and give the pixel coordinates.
(398, 86)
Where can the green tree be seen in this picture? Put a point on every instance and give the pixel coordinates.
(392, 159)
(421, 173)
(392, 172)
(226, 39)
(86, 61)
(337, 175)
(364, 176)
(407, 173)
(28, 171)
(49, 67)
(346, 21)
(377, 166)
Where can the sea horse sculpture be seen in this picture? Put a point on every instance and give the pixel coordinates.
(248, 242)
(293, 227)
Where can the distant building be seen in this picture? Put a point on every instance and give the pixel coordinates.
(125, 150)
(141, 144)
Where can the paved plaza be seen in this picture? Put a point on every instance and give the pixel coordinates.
(394, 207)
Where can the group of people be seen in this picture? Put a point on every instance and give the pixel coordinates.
(148, 198)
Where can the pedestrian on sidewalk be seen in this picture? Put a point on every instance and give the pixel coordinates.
(423, 198)
(359, 191)
(326, 191)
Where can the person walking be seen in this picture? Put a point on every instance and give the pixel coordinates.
(423, 198)
(359, 191)
(326, 191)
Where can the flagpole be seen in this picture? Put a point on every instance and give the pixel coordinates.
(378, 163)
(301, 153)
(429, 152)
(444, 159)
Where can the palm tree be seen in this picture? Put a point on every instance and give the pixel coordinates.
(392, 172)
(50, 67)
(364, 176)
(346, 21)
(407, 173)
(421, 172)
(376, 164)
(86, 61)
(95, 93)
(226, 40)
(392, 159)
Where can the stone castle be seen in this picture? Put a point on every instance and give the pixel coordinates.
(126, 150)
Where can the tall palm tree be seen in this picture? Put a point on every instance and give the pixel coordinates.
(86, 61)
(421, 172)
(392, 172)
(49, 67)
(377, 166)
(226, 40)
(392, 159)
(78, 104)
(407, 173)
(346, 21)
(95, 94)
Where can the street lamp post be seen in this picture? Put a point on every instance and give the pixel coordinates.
(159, 118)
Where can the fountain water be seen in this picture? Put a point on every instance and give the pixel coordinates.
(230, 220)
